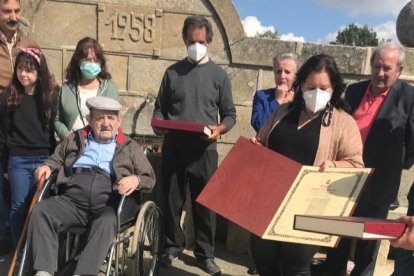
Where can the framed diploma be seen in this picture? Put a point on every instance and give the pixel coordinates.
(262, 191)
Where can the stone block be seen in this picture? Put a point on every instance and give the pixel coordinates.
(268, 80)
(138, 109)
(146, 74)
(118, 67)
(408, 64)
(223, 149)
(242, 126)
(256, 51)
(231, 21)
(244, 84)
(351, 60)
(73, 21)
(172, 45)
(130, 29)
(54, 63)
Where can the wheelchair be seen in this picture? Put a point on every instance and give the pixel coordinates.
(136, 249)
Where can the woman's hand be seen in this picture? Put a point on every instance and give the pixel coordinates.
(327, 164)
(284, 94)
(255, 141)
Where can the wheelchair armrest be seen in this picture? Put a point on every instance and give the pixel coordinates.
(127, 209)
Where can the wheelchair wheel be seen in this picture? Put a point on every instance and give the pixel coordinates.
(147, 238)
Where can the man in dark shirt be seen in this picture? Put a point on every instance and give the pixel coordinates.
(195, 90)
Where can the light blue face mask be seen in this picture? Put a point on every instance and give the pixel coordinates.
(90, 69)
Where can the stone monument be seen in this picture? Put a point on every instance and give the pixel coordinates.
(141, 38)
(405, 25)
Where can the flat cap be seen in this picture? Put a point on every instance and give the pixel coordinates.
(103, 103)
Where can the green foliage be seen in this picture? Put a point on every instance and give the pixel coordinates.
(356, 36)
(268, 34)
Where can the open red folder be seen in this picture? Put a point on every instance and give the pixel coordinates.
(262, 191)
(249, 185)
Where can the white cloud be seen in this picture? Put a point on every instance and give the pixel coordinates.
(384, 31)
(292, 37)
(376, 7)
(328, 38)
(252, 26)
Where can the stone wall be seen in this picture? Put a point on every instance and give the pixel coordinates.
(141, 38)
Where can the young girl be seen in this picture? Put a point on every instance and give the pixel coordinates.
(26, 106)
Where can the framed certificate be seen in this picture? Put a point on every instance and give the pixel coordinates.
(333, 192)
(262, 191)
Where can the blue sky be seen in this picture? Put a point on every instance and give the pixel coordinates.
(318, 20)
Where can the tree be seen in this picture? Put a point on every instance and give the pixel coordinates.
(268, 34)
(354, 35)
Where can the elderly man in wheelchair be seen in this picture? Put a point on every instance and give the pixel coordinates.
(95, 165)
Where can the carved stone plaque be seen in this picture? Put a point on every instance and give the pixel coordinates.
(135, 30)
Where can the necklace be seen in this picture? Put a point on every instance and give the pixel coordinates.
(309, 115)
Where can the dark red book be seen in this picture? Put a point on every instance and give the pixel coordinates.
(354, 227)
(180, 126)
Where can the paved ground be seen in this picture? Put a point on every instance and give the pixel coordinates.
(232, 264)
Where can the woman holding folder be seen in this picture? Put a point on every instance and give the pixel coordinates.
(315, 130)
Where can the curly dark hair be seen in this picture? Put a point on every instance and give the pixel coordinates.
(10, 99)
(73, 73)
(321, 63)
(197, 21)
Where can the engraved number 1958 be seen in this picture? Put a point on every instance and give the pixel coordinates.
(134, 26)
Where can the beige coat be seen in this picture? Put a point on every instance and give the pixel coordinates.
(340, 141)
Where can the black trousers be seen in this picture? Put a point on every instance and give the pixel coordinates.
(274, 258)
(87, 200)
(187, 161)
(365, 252)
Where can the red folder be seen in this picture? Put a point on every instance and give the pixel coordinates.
(180, 126)
(241, 201)
(354, 227)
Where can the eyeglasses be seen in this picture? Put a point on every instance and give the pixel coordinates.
(90, 60)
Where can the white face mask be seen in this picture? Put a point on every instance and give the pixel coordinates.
(196, 51)
(316, 100)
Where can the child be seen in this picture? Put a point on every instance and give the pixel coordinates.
(26, 107)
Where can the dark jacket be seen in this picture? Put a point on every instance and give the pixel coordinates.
(128, 159)
(390, 143)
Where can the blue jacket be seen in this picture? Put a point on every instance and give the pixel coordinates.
(264, 104)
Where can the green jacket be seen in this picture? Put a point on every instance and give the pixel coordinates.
(129, 159)
(69, 105)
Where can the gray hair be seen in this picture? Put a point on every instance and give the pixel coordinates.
(283, 56)
(391, 46)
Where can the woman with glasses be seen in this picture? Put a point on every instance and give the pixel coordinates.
(87, 76)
